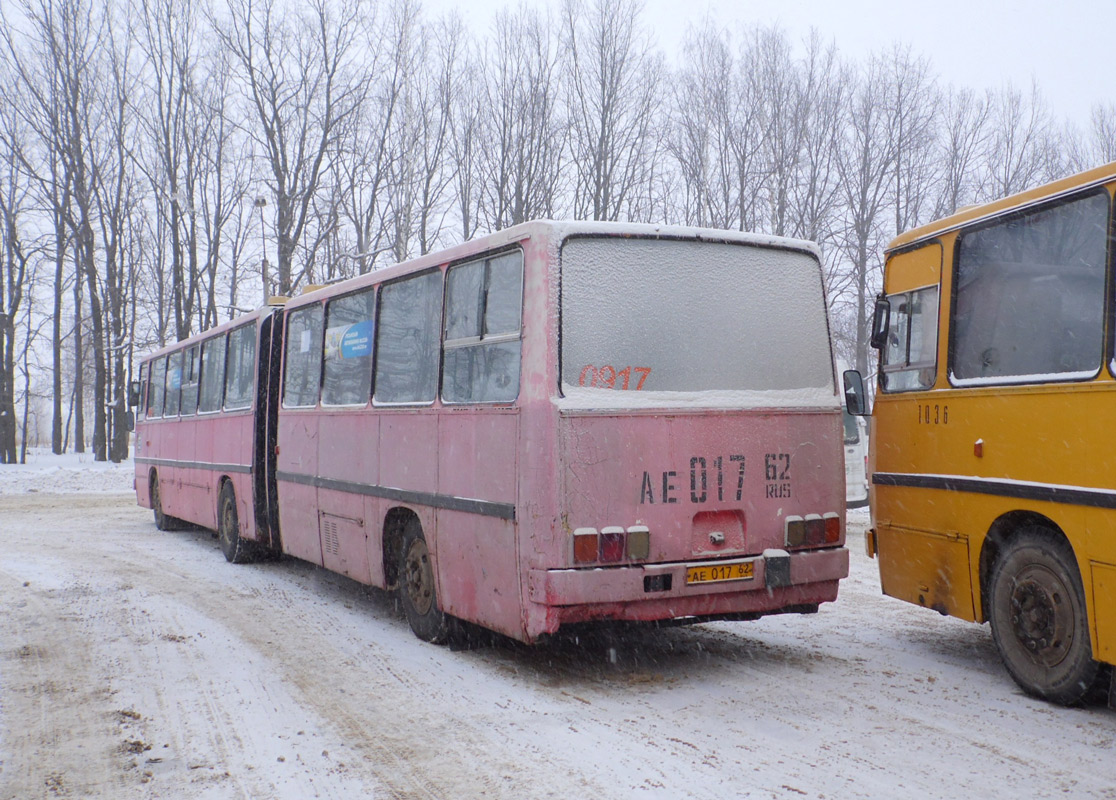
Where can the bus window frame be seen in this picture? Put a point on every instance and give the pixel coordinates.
(251, 401)
(1108, 310)
(141, 407)
(221, 337)
(321, 307)
(908, 365)
(180, 354)
(374, 289)
(163, 400)
(190, 356)
(441, 272)
(477, 341)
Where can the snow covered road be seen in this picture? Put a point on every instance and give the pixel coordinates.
(139, 664)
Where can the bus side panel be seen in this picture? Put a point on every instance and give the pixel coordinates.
(926, 568)
(477, 551)
(298, 497)
(179, 481)
(206, 431)
(1104, 611)
(232, 444)
(937, 433)
(347, 451)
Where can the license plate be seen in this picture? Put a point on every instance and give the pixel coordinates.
(716, 573)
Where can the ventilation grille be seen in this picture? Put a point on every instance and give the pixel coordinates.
(331, 542)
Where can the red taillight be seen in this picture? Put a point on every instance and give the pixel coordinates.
(585, 545)
(815, 529)
(612, 544)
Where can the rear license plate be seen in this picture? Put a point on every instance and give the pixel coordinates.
(716, 573)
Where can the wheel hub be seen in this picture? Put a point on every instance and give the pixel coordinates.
(419, 578)
(1041, 615)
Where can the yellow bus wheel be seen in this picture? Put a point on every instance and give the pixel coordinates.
(1039, 620)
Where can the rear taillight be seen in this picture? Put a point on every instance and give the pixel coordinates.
(585, 545)
(639, 543)
(612, 545)
(812, 530)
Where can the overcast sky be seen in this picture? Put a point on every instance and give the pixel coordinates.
(1066, 44)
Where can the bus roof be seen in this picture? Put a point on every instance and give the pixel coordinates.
(555, 230)
(1092, 177)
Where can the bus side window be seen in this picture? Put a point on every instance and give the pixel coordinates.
(302, 362)
(347, 378)
(191, 371)
(408, 339)
(212, 374)
(174, 385)
(910, 354)
(157, 392)
(482, 343)
(141, 409)
(240, 367)
(1030, 295)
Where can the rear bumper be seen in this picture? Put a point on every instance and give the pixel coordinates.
(641, 593)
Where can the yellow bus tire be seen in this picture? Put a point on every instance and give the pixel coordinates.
(1039, 620)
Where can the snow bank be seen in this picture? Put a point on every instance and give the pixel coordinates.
(68, 474)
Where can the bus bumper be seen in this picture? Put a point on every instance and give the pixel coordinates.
(660, 591)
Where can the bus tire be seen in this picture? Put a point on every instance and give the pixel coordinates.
(162, 521)
(417, 591)
(236, 549)
(1038, 616)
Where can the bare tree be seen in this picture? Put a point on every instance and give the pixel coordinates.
(963, 129)
(815, 194)
(15, 272)
(913, 111)
(614, 75)
(1020, 150)
(519, 153)
(298, 63)
(866, 161)
(1098, 143)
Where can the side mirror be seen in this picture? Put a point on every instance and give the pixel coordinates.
(881, 318)
(133, 394)
(856, 401)
(130, 420)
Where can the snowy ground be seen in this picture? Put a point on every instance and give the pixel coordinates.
(139, 664)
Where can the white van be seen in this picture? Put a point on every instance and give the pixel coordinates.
(856, 456)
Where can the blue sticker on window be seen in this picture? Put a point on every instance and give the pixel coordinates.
(357, 340)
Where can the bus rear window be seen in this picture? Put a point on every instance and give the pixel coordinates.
(683, 321)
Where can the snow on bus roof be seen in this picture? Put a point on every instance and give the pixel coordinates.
(556, 230)
(969, 214)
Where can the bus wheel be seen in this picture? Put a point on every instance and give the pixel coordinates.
(162, 521)
(416, 588)
(1038, 618)
(236, 550)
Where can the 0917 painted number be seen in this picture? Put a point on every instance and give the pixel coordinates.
(608, 376)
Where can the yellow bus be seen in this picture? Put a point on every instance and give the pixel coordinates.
(993, 437)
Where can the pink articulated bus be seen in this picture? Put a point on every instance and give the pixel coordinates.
(559, 423)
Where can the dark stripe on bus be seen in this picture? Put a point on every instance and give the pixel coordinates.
(1071, 495)
(449, 502)
(171, 462)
